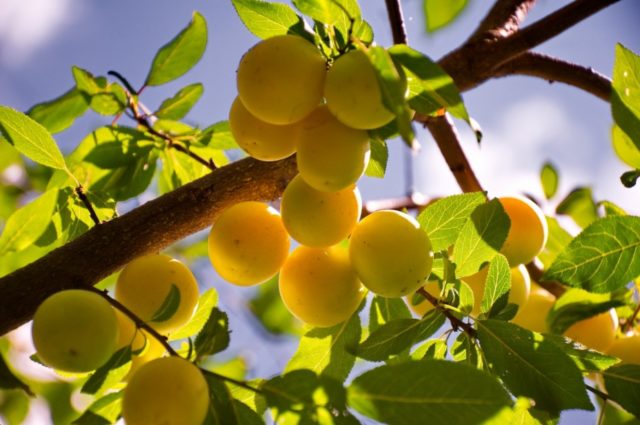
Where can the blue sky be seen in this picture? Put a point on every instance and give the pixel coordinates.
(525, 121)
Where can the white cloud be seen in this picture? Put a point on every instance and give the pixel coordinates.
(27, 26)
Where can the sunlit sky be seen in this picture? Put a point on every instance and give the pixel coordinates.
(525, 121)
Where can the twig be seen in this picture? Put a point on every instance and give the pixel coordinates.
(448, 142)
(396, 21)
(455, 322)
(553, 287)
(597, 392)
(242, 384)
(551, 25)
(140, 324)
(554, 69)
(503, 19)
(85, 200)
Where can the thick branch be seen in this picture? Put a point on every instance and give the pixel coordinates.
(554, 69)
(503, 19)
(396, 21)
(448, 142)
(149, 228)
(552, 25)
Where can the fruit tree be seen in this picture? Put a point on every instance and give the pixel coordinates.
(136, 258)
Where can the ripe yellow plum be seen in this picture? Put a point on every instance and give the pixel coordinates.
(281, 79)
(128, 333)
(146, 282)
(528, 232)
(533, 314)
(261, 140)
(390, 253)
(319, 286)
(597, 332)
(168, 391)
(626, 348)
(331, 156)
(353, 93)
(75, 331)
(152, 350)
(424, 306)
(518, 293)
(248, 243)
(316, 218)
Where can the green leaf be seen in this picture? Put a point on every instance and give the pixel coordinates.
(327, 351)
(218, 136)
(585, 359)
(169, 305)
(207, 301)
(302, 397)
(614, 415)
(444, 219)
(179, 55)
(384, 310)
(531, 366)
(392, 87)
(439, 13)
(269, 309)
(611, 209)
(266, 19)
(176, 107)
(27, 224)
(399, 335)
(444, 392)
(434, 349)
(580, 206)
(625, 95)
(59, 114)
(129, 181)
(9, 381)
(603, 258)
(549, 179)
(624, 147)
(623, 386)
(430, 87)
(465, 350)
(214, 336)
(221, 403)
(556, 242)
(104, 98)
(112, 372)
(497, 285)
(30, 138)
(378, 160)
(106, 410)
(325, 11)
(481, 237)
(577, 304)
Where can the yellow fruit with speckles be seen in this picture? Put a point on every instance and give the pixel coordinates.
(168, 391)
(319, 286)
(248, 243)
(316, 218)
(533, 314)
(626, 348)
(145, 283)
(281, 79)
(390, 253)
(528, 232)
(75, 331)
(597, 332)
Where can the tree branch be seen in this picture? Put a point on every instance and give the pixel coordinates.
(448, 142)
(149, 228)
(396, 21)
(503, 19)
(554, 69)
(455, 322)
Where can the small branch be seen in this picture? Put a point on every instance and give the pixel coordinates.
(85, 200)
(455, 322)
(407, 202)
(629, 323)
(396, 22)
(123, 80)
(553, 287)
(242, 384)
(604, 396)
(140, 324)
(551, 25)
(554, 69)
(448, 142)
(503, 19)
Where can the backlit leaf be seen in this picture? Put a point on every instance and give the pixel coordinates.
(267, 19)
(180, 104)
(549, 180)
(440, 13)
